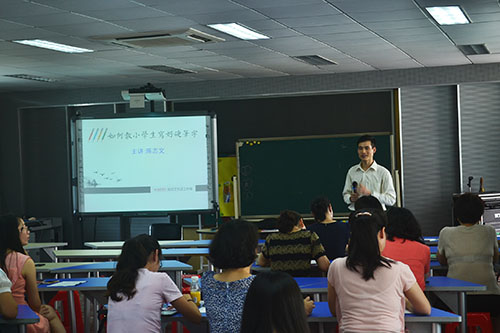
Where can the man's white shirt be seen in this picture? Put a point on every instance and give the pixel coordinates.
(376, 179)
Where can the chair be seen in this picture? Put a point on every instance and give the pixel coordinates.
(62, 296)
(474, 320)
(165, 231)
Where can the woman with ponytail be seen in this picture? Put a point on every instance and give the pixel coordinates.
(366, 291)
(137, 290)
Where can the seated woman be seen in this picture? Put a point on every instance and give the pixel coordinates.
(367, 291)
(470, 250)
(8, 305)
(333, 235)
(20, 269)
(274, 305)
(137, 290)
(292, 248)
(406, 244)
(233, 250)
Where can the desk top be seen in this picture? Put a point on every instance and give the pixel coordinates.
(90, 284)
(113, 254)
(433, 283)
(36, 246)
(321, 313)
(443, 283)
(163, 244)
(107, 266)
(24, 316)
(212, 231)
(201, 251)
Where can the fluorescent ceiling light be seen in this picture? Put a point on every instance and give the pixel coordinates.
(45, 44)
(448, 15)
(239, 31)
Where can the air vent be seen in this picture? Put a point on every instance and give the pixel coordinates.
(168, 69)
(162, 38)
(473, 49)
(315, 60)
(31, 77)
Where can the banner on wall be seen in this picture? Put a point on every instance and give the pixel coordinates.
(227, 169)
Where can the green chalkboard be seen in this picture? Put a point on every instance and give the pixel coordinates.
(288, 173)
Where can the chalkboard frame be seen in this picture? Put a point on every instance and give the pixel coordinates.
(340, 213)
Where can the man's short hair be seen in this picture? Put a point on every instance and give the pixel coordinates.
(367, 138)
(468, 208)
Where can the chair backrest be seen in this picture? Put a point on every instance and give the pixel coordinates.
(166, 231)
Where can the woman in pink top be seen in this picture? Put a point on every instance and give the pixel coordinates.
(137, 290)
(405, 243)
(367, 291)
(20, 269)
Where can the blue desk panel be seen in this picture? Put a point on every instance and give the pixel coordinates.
(24, 316)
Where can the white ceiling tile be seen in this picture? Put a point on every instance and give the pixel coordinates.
(78, 6)
(367, 6)
(278, 3)
(27, 33)
(300, 22)
(15, 8)
(226, 17)
(88, 29)
(64, 18)
(156, 23)
(132, 13)
(331, 29)
(309, 10)
(195, 7)
(360, 35)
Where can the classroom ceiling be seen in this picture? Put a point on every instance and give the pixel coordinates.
(358, 35)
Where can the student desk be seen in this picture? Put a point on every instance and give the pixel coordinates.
(174, 266)
(94, 254)
(415, 323)
(48, 248)
(321, 314)
(163, 244)
(213, 231)
(92, 288)
(453, 293)
(24, 317)
(445, 288)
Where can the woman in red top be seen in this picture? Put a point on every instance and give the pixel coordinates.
(405, 243)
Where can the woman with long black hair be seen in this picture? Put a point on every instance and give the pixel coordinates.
(137, 290)
(366, 291)
(274, 305)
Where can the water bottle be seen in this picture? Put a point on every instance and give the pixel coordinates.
(195, 290)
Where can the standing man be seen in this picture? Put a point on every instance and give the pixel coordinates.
(368, 178)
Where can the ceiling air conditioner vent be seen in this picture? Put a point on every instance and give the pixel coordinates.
(162, 38)
(473, 49)
(315, 60)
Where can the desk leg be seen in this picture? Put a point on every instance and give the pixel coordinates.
(86, 318)
(72, 309)
(436, 328)
(462, 310)
(22, 329)
(178, 279)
